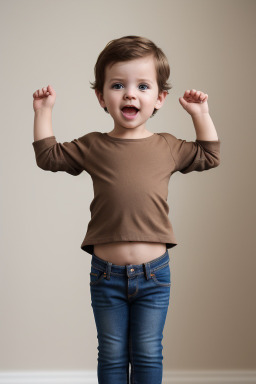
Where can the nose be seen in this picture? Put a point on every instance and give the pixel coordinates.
(130, 93)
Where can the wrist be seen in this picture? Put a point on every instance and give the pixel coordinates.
(200, 115)
(43, 111)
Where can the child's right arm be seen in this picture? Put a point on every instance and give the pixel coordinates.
(43, 103)
(70, 157)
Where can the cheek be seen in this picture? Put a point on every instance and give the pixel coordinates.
(150, 99)
(113, 99)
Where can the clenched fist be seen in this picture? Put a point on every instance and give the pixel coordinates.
(44, 98)
(194, 102)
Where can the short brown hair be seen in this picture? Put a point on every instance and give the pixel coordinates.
(129, 48)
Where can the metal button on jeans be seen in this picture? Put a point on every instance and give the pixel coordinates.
(132, 270)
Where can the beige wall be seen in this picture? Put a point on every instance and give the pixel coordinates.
(46, 316)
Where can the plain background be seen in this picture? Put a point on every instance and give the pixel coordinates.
(46, 316)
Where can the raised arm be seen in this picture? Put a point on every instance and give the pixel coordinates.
(70, 157)
(204, 153)
(43, 103)
(195, 103)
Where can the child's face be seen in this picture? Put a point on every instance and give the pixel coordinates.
(131, 83)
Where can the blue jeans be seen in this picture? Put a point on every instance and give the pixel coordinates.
(130, 305)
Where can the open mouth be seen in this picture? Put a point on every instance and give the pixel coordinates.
(130, 111)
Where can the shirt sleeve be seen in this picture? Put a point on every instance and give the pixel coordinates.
(70, 157)
(199, 155)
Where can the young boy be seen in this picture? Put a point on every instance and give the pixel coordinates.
(129, 233)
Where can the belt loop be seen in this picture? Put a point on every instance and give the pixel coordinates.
(108, 270)
(147, 270)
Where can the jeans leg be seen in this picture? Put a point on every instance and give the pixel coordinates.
(147, 319)
(111, 313)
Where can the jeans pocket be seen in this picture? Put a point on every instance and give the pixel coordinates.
(162, 276)
(96, 276)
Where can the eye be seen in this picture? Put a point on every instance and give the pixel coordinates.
(116, 86)
(143, 85)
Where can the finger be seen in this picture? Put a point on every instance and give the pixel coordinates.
(188, 93)
(50, 90)
(200, 97)
(46, 93)
(193, 94)
(41, 93)
(197, 95)
(189, 96)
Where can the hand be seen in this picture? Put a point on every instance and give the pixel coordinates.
(44, 98)
(194, 102)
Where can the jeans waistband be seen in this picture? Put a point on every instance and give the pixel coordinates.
(130, 270)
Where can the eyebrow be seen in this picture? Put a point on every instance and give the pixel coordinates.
(116, 79)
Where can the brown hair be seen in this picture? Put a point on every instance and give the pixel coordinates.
(129, 48)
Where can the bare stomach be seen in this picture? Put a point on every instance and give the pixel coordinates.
(126, 252)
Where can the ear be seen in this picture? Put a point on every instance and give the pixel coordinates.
(100, 98)
(160, 100)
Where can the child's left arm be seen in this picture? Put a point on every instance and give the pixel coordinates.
(195, 103)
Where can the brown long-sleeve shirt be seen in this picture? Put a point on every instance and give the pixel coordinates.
(130, 179)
